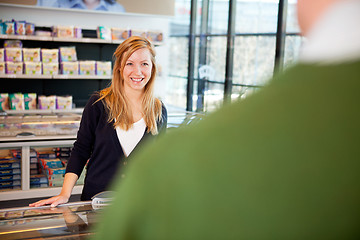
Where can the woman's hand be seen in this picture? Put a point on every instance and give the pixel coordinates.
(54, 201)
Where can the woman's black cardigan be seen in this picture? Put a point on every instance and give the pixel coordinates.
(97, 142)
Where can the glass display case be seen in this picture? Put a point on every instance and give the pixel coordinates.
(67, 221)
(34, 147)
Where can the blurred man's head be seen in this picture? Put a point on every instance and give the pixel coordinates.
(309, 11)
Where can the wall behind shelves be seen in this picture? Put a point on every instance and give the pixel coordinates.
(87, 51)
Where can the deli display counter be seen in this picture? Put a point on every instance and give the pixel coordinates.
(67, 221)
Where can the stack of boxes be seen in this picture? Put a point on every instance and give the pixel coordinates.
(47, 168)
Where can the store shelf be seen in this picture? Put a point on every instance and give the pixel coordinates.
(63, 39)
(44, 111)
(25, 76)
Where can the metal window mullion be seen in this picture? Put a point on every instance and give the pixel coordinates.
(191, 56)
(230, 51)
(202, 53)
(280, 36)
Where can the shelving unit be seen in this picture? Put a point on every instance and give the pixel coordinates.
(23, 76)
(59, 39)
(25, 144)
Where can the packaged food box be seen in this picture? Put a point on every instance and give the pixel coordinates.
(32, 68)
(154, 36)
(87, 67)
(2, 67)
(135, 32)
(51, 163)
(31, 54)
(57, 183)
(103, 68)
(9, 27)
(4, 101)
(77, 32)
(10, 177)
(13, 44)
(67, 54)
(13, 67)
(46, 154)
(10, 164)
(13, 54)
(20, 27)
(2, 55)
(119, 33)
(50, 55)
(30, 100)
(10, 184)
(38, 179)
(103, 33)
(39, 185)
(30, 28)
(69, 68)
(47, 102)
(13, 171)
(51, 68)
(64, 102)
(16, 101)
(63, 31)
(55, 171)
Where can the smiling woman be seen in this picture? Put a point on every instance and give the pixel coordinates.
(115, 122)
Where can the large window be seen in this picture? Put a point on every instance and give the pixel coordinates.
(255, 24)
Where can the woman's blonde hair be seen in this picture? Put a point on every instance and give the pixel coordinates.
(115, 98)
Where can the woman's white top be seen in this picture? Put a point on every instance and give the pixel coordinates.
(130, 138)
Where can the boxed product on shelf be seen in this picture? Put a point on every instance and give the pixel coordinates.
(6, 172)
(16, 101)
(47, 102)
(13, 67)
(51, 68)
(63, 31)
(77, 32)
(9, 27)
(55, 171)
(38, 179)
(20, 27)
(62, 152)
(30, 100)
(69, 68)
(30, 28)
(135, 32)
(87, 67)
(67, 54)
(4, 101)
(49, 55)
(16, 153)
(4, 178)
(103, 68)
(154, 36)
(50, 163)
(56, 183)
(39, 185)
(2, 55)
(9, 164)
(13, 44)
(119, 33)
(64, 102)
(103, 33)
(31, 54)
(32, 68)
(10, 184)
(2, 67)
(13, 54)
(46, 154)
